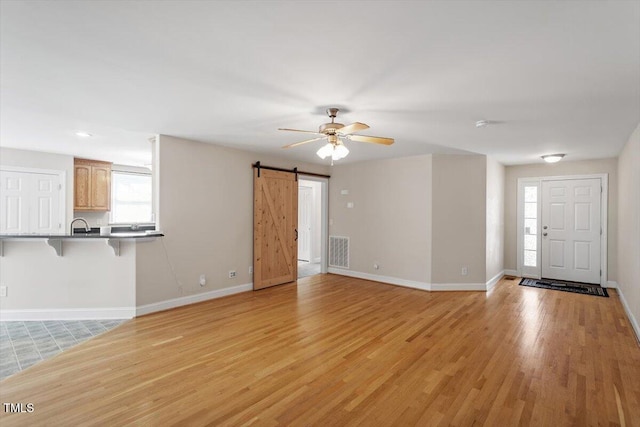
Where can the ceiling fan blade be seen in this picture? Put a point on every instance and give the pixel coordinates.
(353, 127)
(295, 144)
(298, 130)
(373, 139)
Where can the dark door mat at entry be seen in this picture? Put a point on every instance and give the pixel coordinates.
(558, 285)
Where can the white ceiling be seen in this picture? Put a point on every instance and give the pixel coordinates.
(554, 76)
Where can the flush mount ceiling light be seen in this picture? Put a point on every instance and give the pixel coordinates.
(482, 123)
(552, 158)
(83, 134)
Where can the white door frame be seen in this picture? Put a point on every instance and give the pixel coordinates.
(536, 272)
(324, 221)
(62, 175)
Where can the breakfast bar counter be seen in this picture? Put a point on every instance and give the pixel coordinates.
(56, 240)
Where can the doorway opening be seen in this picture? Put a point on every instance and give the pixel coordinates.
(312, 230)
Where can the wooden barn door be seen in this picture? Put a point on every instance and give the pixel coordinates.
(275, 218)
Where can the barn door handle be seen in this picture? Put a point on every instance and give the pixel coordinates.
(296, 230)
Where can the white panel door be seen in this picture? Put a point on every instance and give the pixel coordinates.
(45, 204)
(30, 203)
(305, 200)
(571, 230)
(15, 191)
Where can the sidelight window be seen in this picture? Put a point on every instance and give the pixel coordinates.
(530, 225)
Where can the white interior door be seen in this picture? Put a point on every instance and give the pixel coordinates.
(571, 228)
(14, 196)
(45, 204)
(30, 203)
(305, 201)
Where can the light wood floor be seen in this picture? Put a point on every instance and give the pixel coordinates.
(340, 351)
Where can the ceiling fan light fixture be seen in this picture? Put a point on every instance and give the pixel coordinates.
(325, 151)
(334, 133)
(339, 152)
(335, 151)
(552, 158)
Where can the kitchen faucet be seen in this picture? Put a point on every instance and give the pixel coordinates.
(86, 224)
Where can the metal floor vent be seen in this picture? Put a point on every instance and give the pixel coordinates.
(338, 251)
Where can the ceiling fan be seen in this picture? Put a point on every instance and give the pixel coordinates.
(335, 133)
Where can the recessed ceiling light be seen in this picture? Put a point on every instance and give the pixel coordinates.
(82, 134)
(552, 158)
(482, 123)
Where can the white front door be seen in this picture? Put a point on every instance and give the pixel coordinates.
(571, 230)
(305, 200)
(30, 203)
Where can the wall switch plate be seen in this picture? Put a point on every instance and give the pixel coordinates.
(250, 270)
(350, 205)
(464, 271)
(344, 192)
(3, 291)
(232, 274)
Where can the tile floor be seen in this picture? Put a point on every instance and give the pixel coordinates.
(306, 268)
(23, 344)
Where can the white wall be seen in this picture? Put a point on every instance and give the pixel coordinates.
(495, 219)
(422, 219)
(459, 219)
(512, 173)
(390, 222)
(629, 227)
(206, 212)
(88, 281)
(38, 160)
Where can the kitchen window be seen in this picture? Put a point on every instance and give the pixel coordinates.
(131, 198)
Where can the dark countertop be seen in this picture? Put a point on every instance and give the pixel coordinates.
(85, 236)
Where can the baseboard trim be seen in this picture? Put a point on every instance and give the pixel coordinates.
(191, 299)
(459, 287)
(411, 283)
(511, 273)
(495, 279)
(68, 314)
(612, 284)
(630, 316)
(383, 279)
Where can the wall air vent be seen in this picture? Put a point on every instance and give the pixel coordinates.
(338, 252)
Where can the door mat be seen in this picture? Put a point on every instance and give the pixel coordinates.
(558, 285)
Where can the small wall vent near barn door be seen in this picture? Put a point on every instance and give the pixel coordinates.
(338, 251)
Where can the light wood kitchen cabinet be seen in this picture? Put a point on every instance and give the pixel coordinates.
(92, 185)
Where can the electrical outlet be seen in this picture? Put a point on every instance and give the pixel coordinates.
(464, 271)
(3, 291)
(203, 280)
(232, 274)
(376, 266)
